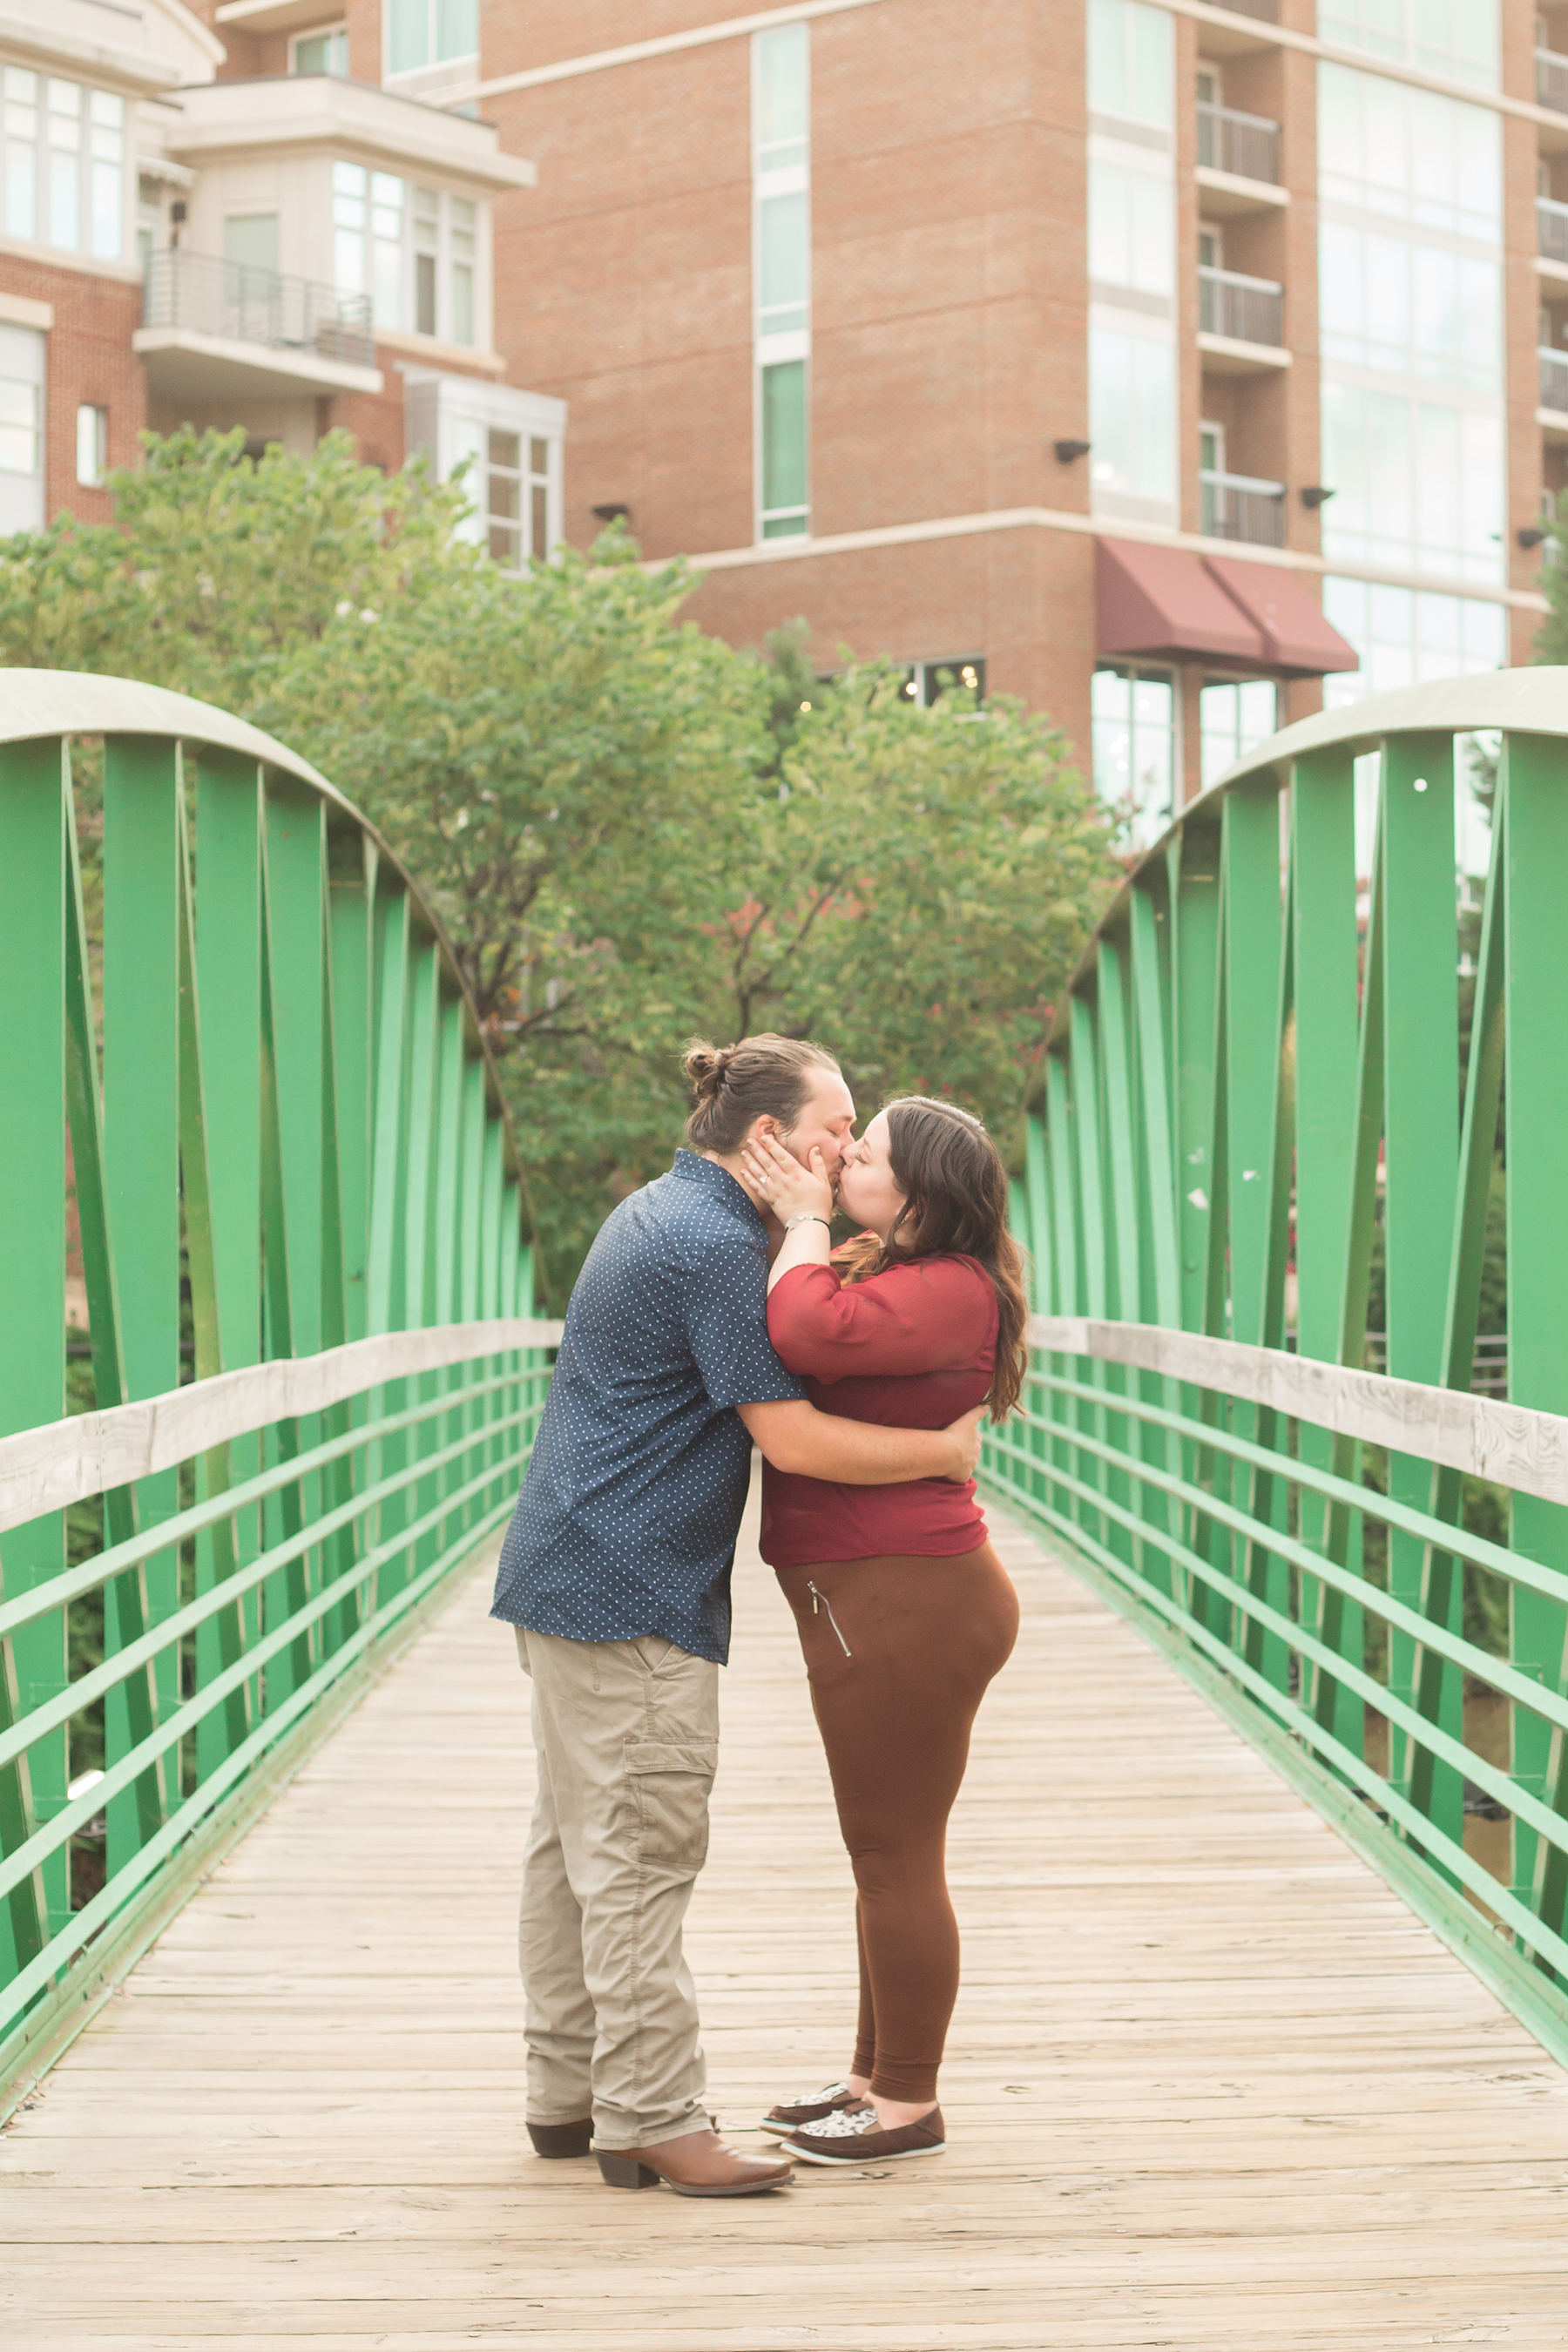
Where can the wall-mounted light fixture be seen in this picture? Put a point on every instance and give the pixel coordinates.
(613, 512)
(1529, 536)
(1315, 496)
(1068, 452)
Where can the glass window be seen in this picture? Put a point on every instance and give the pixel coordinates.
(19, 426)
(412, 249)
(781, 100)
(463, 218)
(326, 52)
(64, 165)
(21, 124)
(1419, 485)
(250, 241)
(538, 498)
(428, 31)
(1130, 69)
(783, 237)
(1235, 715)
(1406, 636)
(784, 450)
(1390, 303)
(1388, 148)
(503, 478)
(1454, 38)
(92, 446)
(1131, 231)
(1132, 416)
(1134, 714)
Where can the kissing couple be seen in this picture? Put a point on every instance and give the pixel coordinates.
(713, 1313)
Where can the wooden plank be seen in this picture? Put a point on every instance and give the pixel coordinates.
(1209, 2084)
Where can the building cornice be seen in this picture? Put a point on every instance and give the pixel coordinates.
(290, 112)
(967, 526)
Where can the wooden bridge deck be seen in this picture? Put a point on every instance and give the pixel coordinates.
(1210, 2085)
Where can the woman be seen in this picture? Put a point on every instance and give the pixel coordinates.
(904, 1611)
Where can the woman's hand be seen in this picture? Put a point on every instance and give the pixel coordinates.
(782, 1184)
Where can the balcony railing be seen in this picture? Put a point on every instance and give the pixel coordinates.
(1551, 80)
(1554, 379)
(1238, 506)
(1246, 310)
(1247, 144)
(1550, 229)
(247, 305)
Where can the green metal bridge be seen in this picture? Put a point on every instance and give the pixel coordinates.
(268, 1367)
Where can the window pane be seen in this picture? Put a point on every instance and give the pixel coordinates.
(425, 293)
(107, 211)
(781, 246)
(250, 240)
(1133, 727)
(21, 188)
(540, 503)
(407, 35)
(322, 53)
(457, 28)
(1132, 416)
(506, 497)
(462, 325)
(427, 219)
(539, 456)
(65, 202)
(784, 436)
(505, 449)
(19, 426)
(91, 436)
(506, 546)
(1130, 60)
(781, 85)
(1131, 236)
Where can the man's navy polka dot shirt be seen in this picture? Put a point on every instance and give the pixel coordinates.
(628, 1519)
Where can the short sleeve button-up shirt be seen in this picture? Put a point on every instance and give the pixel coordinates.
(628, 1515)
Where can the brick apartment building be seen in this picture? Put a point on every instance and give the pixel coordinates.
(1164, 364)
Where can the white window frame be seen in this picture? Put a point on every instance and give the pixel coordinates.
(91, 445)
(434, 68)
(451, 417)
(449, 256)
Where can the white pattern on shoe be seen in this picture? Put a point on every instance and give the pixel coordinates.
(847, 2123)
(828, 2092)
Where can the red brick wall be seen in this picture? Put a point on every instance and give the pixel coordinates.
(89, 359)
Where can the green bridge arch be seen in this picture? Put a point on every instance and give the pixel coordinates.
(306, 1289)
(1256, 1082)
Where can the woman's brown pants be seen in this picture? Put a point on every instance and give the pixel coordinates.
(898, 1652)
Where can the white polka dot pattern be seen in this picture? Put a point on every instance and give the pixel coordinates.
(628, 1519)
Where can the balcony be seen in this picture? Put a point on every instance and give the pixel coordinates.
(1240, 323)
(1552, 413)
(1551, 232)
(1242, 146)
(218, 331)
(1551, 80)
(1238, 506)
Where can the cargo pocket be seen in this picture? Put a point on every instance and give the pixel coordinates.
(669, 1786)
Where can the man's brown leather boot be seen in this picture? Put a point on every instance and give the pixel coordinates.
(696, 2164)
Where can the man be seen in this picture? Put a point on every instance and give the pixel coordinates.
(615, 1572)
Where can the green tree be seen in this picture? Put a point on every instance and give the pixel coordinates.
(630, 830)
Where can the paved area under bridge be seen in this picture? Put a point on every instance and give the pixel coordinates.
(1212, 2084)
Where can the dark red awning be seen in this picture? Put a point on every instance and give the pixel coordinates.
(1289, 617)
(1169, 602)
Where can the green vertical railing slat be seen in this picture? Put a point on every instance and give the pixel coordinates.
(1536, 1129)
(34, 813)
(141, 788)
(228, 990)
(1421, 1129)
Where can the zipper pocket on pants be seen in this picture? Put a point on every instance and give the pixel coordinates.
(822, 1597)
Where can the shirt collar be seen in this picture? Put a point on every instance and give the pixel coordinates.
(693, 1169)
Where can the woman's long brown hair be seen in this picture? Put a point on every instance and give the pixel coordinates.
(956, 1205)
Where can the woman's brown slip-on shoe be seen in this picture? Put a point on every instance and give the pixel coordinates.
(853, 2135)
(809, 2108)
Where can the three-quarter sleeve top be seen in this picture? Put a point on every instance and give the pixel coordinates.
(910, 1349)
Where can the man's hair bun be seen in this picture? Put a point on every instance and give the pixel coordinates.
(705, 1066)
(765, 1076)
